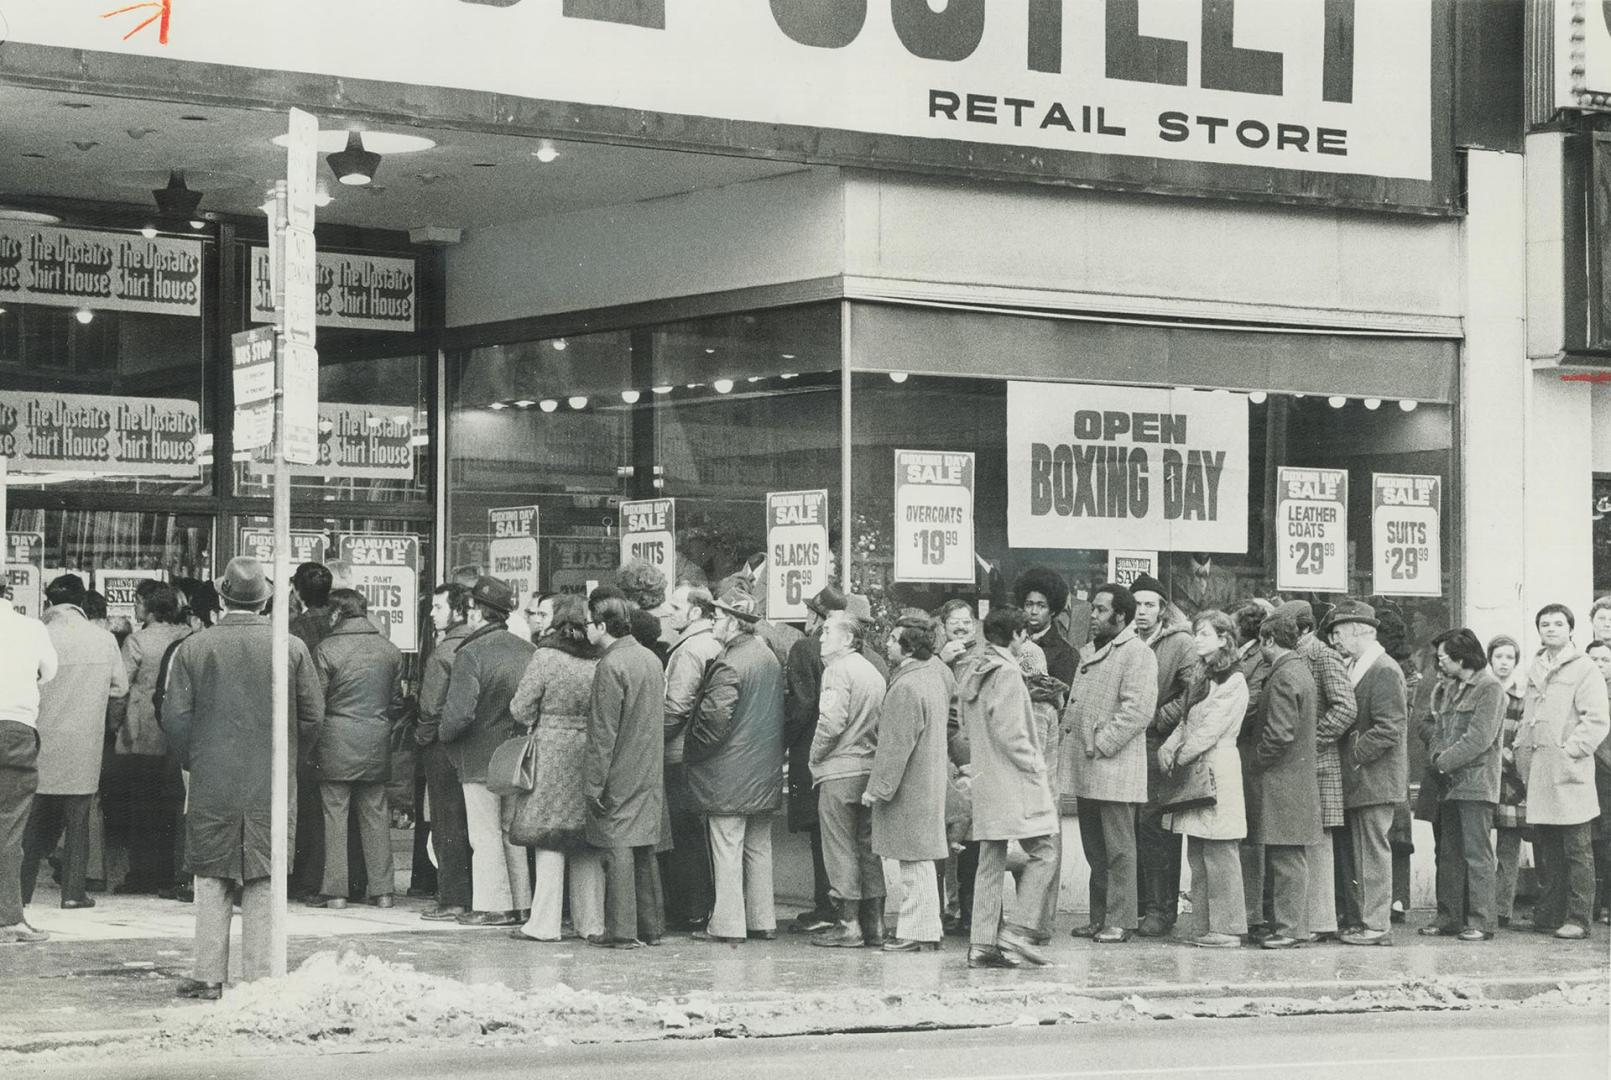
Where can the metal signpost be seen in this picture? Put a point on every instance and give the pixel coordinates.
(295, 416)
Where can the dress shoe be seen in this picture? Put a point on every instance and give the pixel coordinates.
(1398, 913)
(1153, 926)
(1471, 933)
(762, 935)
(1504, 922)
(811, 922)
(1368, 937)
(415, 893)
(904, 945)
(1215, 941)
(1567, 932)
(1089, 930)
(983, 956)
(201, 991)
(1015, 943)
(521, 935)
(1437, 931)
(21, 934)
(442, 914)
(488, 918)
(74, 905)
(133, 888)
(383, 901)
(955, 927)
(706, 935)
(849, 930)
(1259, 933)
(1038, 937)
(599, 941)
(333, 903)
(1279, 941)
(1112, 935)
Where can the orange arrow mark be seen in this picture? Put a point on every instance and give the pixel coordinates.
(164, 12)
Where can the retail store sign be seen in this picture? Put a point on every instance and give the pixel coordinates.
(1406, 548)
(385, 569)
(797, 552)
(360, 441)
(575, 564)
(119, 587)
(351, 292)
(1312, 87)
(99, 435)
(512, 554)
(102, 271)
(306, 547)
(1311, 530)
(25, 571)
(1102, 467)
(934, 516)
(649, 532)
(1125, 566)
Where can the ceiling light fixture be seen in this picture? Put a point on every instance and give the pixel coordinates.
(1407, 405)
(546, 152)
(355, 166)
(498, 406)
(176, 200)
(788, 356)
(84, 315)
(630, 396)
(560, 345)
(790, 374)
(548, 404)
(1373, 403)
(1257, 397)
(753, 379)
(198, 224)
(149, 232)
(1336, 401)
(322, 199)
(524, 403)
(577, 402)
(710, 352)
(662, 389)
(723, 386)
(897, 376)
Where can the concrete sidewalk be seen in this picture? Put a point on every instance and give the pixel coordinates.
(114, 967)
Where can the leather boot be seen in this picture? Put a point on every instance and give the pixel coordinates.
(844, 934)
(871, 916)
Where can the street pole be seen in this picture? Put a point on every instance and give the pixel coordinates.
(280, 653)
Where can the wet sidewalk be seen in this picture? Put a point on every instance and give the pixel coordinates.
(115, 967)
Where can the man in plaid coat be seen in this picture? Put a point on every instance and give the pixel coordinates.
(1113, 699)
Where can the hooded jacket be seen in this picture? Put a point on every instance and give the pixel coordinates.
(1012, 793)
(1564, 719)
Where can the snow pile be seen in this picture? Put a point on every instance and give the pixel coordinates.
(352, 999)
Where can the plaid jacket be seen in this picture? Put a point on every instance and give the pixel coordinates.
(1113, 700)
(1335, 713)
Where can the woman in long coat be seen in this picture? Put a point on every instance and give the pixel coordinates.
(1218, 696)
(157, 795)
(555, 697)
(908, 784)
(1510, 819)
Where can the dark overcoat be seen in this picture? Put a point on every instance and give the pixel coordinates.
(909, 766)
(361, 674)
(1375, 752)
(734, 748)
(1283, 792)
(623, 767)
(475, 717)
(218, 713)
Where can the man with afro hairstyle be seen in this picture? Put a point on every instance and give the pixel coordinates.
(1042, 594)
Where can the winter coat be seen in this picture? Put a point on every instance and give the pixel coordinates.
(361, 674)
(847, 719)
(801, 703)
(734, 749)
(72, 706)
(1335, 712)
(1283, 791)
(1375, 752)
(685, 671)
(312, 626)
(623, 771)
(1210, 732)
(434, 683)
(1012, 794)
(218, 712)
(475, 717)
(1565, 719)
(1464, 750)
(1113, 700)
(1176, 659)
(556, 697)
(908, 782)
(780, 637)
(1062, 659)
(142, 660)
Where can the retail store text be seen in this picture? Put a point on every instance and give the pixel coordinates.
(1097, 478)
(1173, 126)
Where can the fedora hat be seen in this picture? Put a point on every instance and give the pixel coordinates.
(244, 582)
(828, 599)
(493, 593)
(1348, 611)
(740, 605)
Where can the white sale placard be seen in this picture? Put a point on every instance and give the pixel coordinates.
(1406, 546)
(1311, 530)
(934, 516)
(797, 553)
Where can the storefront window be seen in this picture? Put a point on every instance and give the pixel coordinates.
(713, 413)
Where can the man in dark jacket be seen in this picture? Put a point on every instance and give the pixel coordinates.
(312, 583)
(218, 714)
(475, 721)
(1043, 594)
(361, 674)
(623, 781)
(734, 756)
(449, 835)
(1158, 848)
(800, 705)
(1283, 792)
(685, 869)
(1375, 764)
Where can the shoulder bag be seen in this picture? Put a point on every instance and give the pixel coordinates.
(513, 767)
(1188, 787)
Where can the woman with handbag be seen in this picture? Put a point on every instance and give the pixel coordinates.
(1510, 816)
(1202, 791)
(552, 702)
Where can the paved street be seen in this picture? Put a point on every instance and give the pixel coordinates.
(1564, 1045)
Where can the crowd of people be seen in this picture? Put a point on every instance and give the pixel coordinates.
(620, 758)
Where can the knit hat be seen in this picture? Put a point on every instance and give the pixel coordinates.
(1148, 583)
